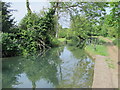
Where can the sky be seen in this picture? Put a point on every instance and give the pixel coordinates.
(36, 6)
(21, 10)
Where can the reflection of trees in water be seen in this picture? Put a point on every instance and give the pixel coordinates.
(84, 67)
(85, 75)
(43, 67)
(36, 68)
(11, 69)
(47, 68)
(82, 73)
(77, 53)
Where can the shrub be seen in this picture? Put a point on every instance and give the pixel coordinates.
(117, 42)
(55, 42)
(10, 45)
(27, 40)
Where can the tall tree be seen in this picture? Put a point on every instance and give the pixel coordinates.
(93, 11)
(80, 27)
(55, 5)
(7, 20)
(114, 20)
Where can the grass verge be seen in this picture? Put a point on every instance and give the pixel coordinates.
(97, 50)
(61, 39)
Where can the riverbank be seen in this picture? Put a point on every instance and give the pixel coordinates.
(106, 66)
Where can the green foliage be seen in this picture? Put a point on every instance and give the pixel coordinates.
(27, 41)
(34, 33)
(37, 31)
(62, 39)
(63, 33)
(10, 45)
(80, 30)
(108, 27)
(103, 27)
(114, 13)
(55, 42)
(28, 21)
(117, 42)
(81, 26)
(110, 23)
(7, 20)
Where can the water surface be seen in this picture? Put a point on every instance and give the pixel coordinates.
(61, 67)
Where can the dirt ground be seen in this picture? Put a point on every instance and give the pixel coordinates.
(104, 76)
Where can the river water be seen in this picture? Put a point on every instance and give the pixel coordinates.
(61, 67)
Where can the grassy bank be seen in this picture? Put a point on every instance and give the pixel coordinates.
(65, 41)
(62, 39)
(101, 50)
(97, 50)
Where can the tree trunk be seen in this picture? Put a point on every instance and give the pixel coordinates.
(28, 7)
(57, 28)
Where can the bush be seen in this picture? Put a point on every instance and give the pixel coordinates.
(10, 45)
(28, 42)
(55, 42)
(33, 34)
(62, 34)
(117, 42)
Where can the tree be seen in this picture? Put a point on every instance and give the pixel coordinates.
(9, 42)
(114, 18)
(7, 20)
(110, 23)
(37, 32)
(93, 11)
(34, 34)
(81, 28)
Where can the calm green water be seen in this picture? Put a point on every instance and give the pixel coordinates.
(62, 67)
